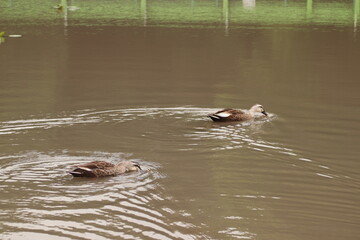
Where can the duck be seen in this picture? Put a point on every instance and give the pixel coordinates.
(104, 169)
(231, 115)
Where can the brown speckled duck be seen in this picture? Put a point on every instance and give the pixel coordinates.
(104, 169)
(229, 115)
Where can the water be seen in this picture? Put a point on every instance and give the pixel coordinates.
(94, 87)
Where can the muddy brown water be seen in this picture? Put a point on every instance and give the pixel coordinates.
(142, 93)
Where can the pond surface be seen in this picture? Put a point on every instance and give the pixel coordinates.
(80, 89)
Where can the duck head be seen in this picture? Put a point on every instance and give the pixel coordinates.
(258, 108)
(134, 167)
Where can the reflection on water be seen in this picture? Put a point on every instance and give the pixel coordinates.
(226, 15)
(356, 13)
(143, 8)
(309, 9)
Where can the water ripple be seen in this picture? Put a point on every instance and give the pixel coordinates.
(106, 116)
(53, 203)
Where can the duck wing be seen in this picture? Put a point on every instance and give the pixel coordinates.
(225, 115)
(90, 169)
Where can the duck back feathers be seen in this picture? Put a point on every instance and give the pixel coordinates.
(103, 169)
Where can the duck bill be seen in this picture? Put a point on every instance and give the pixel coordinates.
(265, 113)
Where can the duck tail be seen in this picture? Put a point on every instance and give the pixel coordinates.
(82, 172)
(76, 174)
(214, 117)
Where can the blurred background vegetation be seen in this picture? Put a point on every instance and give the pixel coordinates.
(181, 13)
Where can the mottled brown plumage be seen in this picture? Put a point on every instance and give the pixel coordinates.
(229, 115)
(103, 169)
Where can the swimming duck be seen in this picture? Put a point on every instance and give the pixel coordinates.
(103, 169)
(228, 115)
